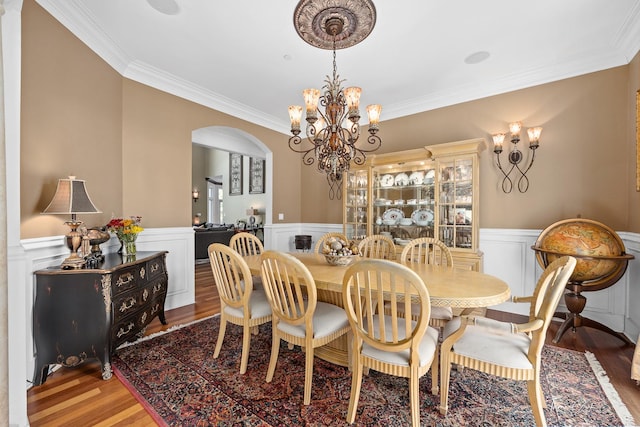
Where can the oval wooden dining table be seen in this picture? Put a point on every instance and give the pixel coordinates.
(464, 289)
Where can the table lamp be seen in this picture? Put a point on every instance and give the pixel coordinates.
(253, 216)
(71, 198)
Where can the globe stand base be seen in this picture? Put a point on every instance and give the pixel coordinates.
(575, 302)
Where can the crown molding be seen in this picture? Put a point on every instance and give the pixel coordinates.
(573, 67)
(159, 79)
(75, 17)
(628, 38)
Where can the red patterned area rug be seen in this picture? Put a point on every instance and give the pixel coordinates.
(175, 376)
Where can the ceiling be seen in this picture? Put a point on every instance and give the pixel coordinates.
(245, 58)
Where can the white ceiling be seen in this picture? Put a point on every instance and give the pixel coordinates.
(245, 58)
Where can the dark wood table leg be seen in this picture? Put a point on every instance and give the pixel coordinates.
(576, 302)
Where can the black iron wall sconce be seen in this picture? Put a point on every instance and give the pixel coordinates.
(516, 156)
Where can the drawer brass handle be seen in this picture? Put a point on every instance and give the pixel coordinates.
(143, 271)
(124, 279)
(157, 288)
(122, 332)
(127, 304)
(145, 295)
(155, 267)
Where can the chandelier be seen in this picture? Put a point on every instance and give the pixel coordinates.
(332, 134)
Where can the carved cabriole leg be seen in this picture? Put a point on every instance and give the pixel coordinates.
(106, 371)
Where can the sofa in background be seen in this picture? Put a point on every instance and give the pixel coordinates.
(208, 234)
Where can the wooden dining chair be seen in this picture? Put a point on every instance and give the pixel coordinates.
(385, 341)
(377, 246)
(298, 317)
(239, 304)
(508, 350)
(247, 244)
(320, 243)
(427, 250)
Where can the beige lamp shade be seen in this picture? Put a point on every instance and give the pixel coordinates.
(71, 198)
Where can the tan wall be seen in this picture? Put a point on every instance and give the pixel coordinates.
(132, 143)
(581, 167)
(71, 123)
(633, 138)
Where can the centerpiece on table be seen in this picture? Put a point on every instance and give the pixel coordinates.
(337, 251)
(127, 230)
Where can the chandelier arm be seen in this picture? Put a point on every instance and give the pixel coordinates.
(375, 141)
(295, 144)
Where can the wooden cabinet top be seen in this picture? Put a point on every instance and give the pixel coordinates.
(112, 262)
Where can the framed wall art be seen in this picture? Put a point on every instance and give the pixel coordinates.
(256, 175)
(235, 174)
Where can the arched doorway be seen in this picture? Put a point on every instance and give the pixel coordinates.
(232, 140)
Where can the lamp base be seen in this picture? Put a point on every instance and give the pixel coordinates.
(73, 240)
(73, 262)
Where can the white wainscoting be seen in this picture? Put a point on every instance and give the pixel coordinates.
(507, 255)
(51, 251)
(281, 237)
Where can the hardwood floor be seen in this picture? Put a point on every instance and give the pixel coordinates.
(79, 396)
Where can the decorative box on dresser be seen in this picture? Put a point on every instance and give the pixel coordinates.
(87, 313)
(426, 192)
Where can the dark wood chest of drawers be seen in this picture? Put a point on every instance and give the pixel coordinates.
(87, 313)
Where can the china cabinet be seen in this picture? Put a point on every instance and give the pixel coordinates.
(426, 192)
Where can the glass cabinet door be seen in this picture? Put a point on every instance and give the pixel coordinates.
(356, 204)
(403, 201)
(455, 212)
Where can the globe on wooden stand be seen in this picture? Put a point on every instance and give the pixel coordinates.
(601, 263)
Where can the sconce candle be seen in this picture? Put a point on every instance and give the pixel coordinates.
(516, 156)
(534, 135)
(498, 139)
(195, 194)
